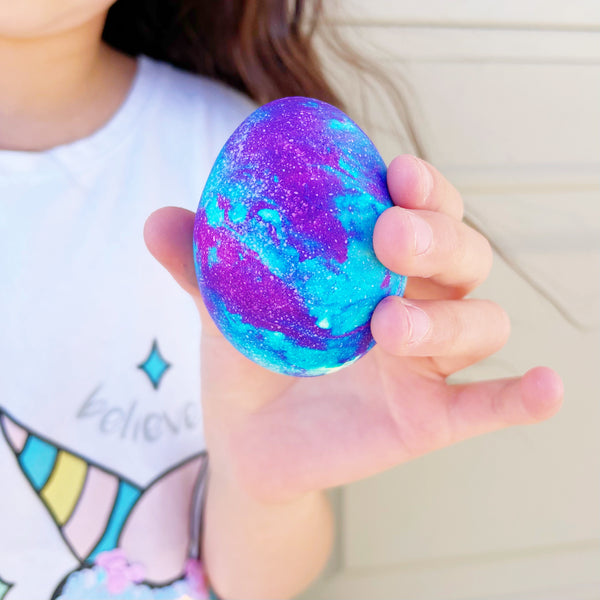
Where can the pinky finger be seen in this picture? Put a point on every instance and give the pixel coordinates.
(486, 406)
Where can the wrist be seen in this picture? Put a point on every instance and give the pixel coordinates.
(248, 456)
(256, 488)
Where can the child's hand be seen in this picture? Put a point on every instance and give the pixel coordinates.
(278, 437)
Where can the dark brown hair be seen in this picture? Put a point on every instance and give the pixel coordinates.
(264, 48)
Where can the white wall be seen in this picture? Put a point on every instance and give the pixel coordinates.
(506, 96)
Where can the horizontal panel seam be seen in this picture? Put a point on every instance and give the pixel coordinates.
(589, 546)
(418, 24)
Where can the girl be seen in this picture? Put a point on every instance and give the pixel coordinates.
(104, 450)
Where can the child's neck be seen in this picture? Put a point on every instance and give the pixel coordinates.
(57, 89)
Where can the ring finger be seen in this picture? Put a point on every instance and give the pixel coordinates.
(456, 333)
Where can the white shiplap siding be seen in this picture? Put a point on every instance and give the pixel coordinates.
(507, 99)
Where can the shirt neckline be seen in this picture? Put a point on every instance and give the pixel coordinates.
(77, 155)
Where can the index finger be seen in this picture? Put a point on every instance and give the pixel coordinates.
(414, 183)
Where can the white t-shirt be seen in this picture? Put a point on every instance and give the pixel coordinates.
(101, 438)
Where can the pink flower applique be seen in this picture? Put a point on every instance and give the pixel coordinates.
(119, 573)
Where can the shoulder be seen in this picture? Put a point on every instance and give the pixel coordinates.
(182, 122)
(196, 101)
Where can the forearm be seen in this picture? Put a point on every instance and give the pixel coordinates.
(255, 550)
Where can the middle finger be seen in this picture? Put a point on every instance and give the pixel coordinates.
(434, 246)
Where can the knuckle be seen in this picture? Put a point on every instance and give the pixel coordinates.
(455, 325)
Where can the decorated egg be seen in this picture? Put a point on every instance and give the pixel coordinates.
(283, 238)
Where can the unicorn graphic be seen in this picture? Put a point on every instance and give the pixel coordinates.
(116, 530)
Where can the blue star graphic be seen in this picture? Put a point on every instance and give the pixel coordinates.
(154, 366)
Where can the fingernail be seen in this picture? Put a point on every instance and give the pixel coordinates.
(422, 232)
(426, 179)
(419, 323)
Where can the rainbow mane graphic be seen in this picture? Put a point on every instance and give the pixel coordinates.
(107, 521)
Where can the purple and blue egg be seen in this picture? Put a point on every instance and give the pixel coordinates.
(283, 238)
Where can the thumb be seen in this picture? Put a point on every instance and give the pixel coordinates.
(168, 233)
